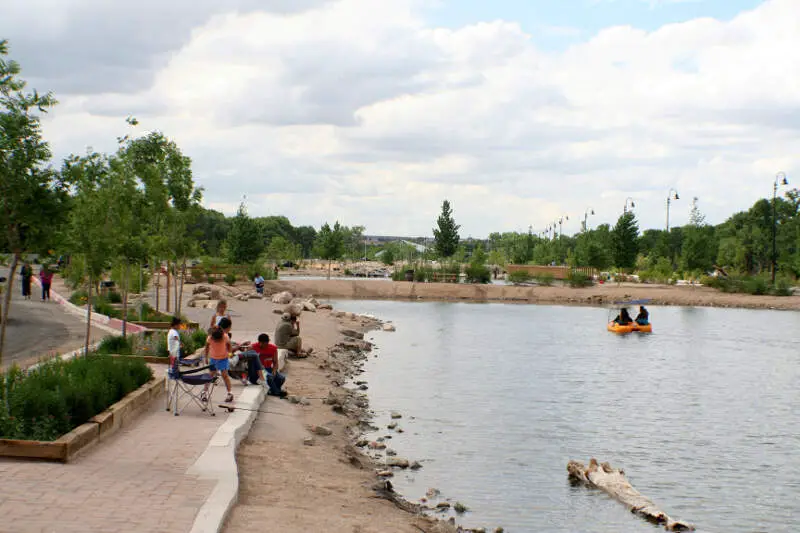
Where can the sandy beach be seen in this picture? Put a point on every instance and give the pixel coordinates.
(329, 485)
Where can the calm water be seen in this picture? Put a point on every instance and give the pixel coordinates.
(702, 414)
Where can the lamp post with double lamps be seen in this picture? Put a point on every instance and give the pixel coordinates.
(780, 179)
(671, 195)
(586, 214)
(625, 209)
(560, 222)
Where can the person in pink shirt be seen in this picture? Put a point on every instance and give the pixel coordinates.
(46, 277)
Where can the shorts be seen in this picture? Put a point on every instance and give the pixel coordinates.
(219, 364)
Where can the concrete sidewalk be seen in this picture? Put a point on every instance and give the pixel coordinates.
(135, 482)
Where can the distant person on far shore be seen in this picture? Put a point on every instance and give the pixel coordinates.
(46, 278)
(287, 335)
(276, 271)
(259, 283)
(643, 318)
(220, 313)
(27, 274)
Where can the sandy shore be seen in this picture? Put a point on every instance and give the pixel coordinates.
(287, 484)
(598, 295)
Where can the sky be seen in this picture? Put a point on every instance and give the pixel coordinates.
(519, 112)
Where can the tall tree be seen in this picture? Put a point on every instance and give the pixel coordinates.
(244, 240)
(30, 193)
(698, 250)
(330, 244)
(446, 234)
(624, 241)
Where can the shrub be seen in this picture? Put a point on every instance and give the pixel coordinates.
(577, 279)
(478, 273)
(545, 279)
(78, 298)
(114, 297)
(75, 272)
(783, 287)
(210, 280)
(116, 344)
(756, 285)
(519, 276)
(57, 396)
(102, 307)
(230, 279)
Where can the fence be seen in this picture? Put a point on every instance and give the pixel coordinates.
(558, 272)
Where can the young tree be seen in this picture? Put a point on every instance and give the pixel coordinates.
(30, 193)
(330, 244)
(446, 235)
(697, 252)
(244, 239)
(624, 241)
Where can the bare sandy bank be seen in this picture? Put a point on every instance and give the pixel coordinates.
(604, 294)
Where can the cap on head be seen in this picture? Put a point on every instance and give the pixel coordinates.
(286, 316)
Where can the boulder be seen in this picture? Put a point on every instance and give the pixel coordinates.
(284, 298)
(398, 462)
(308, 306)
(313, 301)
(293, 309)
(322, 431)
(395, 415)
(351, 333)
(201, 296)
(325, 306)
(388, 327)
(308, 441)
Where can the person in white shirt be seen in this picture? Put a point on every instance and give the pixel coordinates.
(174, 341)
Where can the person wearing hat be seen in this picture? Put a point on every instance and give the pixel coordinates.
(287, 334)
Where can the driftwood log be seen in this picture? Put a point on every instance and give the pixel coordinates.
(613, 482)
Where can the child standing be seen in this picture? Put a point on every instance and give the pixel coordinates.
(218, 346)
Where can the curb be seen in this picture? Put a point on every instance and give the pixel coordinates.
(218, 462)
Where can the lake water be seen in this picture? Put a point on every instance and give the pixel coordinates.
(702, 414)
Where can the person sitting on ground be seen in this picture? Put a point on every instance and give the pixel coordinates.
(220, 313)
(259, 283)
(624, 318)
(268, 359)
(218, 346)
(287, 335)
(643, 318)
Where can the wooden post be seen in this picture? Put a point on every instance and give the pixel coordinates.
(614, 483)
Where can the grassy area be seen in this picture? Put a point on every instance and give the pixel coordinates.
(103, 305)
(58, 396)
(154, 344)
(757, 285)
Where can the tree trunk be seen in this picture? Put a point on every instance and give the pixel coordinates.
(126, 281)
(180, 295)
(157, 276)
(175, 286)
(613, 482)
(88, 316)
(167, 287)
(12, 271)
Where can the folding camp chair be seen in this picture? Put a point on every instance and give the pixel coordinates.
(185, 387)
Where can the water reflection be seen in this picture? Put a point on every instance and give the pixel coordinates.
(701, 414)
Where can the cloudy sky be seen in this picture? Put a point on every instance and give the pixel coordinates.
(373, 111)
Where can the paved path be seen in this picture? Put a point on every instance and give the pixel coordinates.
(135, 482)
(37, 328)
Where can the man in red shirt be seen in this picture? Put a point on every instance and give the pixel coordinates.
(268, 355)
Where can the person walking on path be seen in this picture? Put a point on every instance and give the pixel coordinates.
(259, 283)
(27, 275)
(46, 277)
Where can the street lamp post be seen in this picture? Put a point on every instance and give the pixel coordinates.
(560, 222)
(780, 179)
(586, 214)
(671, 195)
(625, 209)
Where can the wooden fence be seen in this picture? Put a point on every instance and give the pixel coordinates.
(558, 272)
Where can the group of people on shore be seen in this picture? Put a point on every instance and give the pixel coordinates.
(45, 278)
(260, 357)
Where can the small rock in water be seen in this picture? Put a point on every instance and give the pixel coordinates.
(400, 430)
(322, 431)
(460, 508)
(443, 505)
(399, 462)
(363, 387)
(415, 465)
(390, 452)
(396, 415)
(388, 327)
(362, 442)
(393, 425)
(377, 445)
(385, 473)
(499, 529)
(432, 493)
(308, 441)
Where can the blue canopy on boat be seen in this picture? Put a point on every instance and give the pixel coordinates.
(634, 302)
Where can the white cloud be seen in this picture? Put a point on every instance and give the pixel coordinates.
(371, 116)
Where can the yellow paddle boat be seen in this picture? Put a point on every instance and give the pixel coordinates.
(632, 326)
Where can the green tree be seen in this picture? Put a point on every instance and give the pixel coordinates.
(446, 235)
(281, 249)
(625, 241)
(244, 239)
(477, 271)
(31, 194)
(698, 250)
(330, 244)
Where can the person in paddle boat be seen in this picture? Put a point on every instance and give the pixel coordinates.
(623, 318)
(643, 318)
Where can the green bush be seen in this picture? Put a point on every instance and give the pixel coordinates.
(75, 272)
(577, 279)
(116, 344)
(230, 279)
(102, 307)
(78, 298)
(57, 396)
(210, 280)
(478, 273)
(545, 279)
(756, 285)
(114, 297)
(519, 276)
